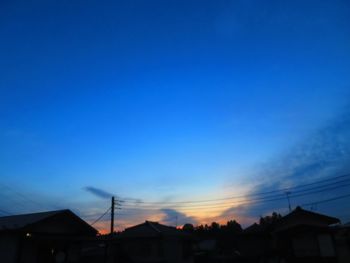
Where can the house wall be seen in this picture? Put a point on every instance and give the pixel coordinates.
(253, 246)
(175, 251)
(302, 220)
(140, 249)
(60, 225)
(342, 240)
(8, 248)
(172, 250)
(314, 244)
(343, 252)
(14, 249)
(305, 246)
(28, 251)
(169, 250)
(326, 245)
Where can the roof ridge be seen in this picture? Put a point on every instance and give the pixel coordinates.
(151, 224)
(300, 209)
(21, 221)
(36, 213)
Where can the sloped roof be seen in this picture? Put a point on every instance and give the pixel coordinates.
(24, 221)
(151, 229)
(300, 217)
(207, 244)
(254, 228)
(299, 212)
(347, 224)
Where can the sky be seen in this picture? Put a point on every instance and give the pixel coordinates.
(170, 101)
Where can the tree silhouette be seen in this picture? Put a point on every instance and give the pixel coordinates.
(232, 227)
(270, 220)
(226, 234)
(189, 228)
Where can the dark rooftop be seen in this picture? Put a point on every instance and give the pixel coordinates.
(151, 229)
(24, 221)
(299, 212)
(301, 217)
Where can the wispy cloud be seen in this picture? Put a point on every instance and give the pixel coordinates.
(324, 153)
(98, 192)
(174, 217)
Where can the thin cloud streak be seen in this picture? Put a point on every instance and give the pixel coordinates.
(98, 192)
(325, 153)
(174, 217)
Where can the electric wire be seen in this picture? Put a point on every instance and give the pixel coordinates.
(277, 197)
(327, 200)
(5, 212)
(98, 219)
(244, 196)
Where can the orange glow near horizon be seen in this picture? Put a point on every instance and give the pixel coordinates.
(104, 227)
(202, 213)
(201, 217)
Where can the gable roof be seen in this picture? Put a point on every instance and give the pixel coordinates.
(347, 224)
(19, 221)
(299, 217)
(25, 221)
(299, 212)
(254, 228)
(151, 229)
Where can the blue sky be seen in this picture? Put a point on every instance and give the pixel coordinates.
(162, 100)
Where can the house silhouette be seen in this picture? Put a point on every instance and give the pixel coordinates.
(45, 237)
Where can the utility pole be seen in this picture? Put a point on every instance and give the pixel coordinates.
(290, 208)
(112, 215)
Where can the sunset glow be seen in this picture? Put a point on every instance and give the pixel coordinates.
(184, 111)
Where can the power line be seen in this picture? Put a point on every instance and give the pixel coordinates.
(276, 197)
(220, 208)
(98, 219)
(290, 189)
(316, 202)
(215, 205)
(320, 186)
(269, 196)
(327, 200)
(24, 197)
(305, 204)
(5, 212)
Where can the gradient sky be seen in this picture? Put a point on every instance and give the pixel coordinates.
(168, 101)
